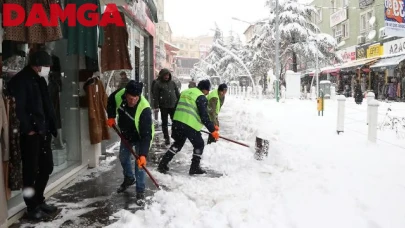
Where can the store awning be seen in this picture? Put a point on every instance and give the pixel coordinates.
(171, 47)
(358, 64)
(330, 70)
(153, 10)
(390, 62)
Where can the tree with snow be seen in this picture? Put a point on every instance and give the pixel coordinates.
(300, 39)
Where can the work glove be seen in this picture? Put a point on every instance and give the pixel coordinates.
(111, 122)
(215, 134)
(216, 128)
(141, 161)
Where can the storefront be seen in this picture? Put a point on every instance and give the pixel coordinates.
(84, 60)
(389, 77)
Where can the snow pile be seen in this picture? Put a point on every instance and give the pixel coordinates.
(312, 177)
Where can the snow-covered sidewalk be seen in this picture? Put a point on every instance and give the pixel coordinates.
(313, 178)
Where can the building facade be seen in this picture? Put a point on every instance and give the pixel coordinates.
(74, 150)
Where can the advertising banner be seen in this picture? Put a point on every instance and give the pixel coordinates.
(394, 18)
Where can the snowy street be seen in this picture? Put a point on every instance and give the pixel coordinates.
(312, 177)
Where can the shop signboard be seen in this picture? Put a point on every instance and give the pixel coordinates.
(361, 51)
(394, 17)
(338, 17)
(348, 54)
(375, 50)
(394, 47)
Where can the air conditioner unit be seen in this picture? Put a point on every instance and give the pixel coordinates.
(361, 39)
(381, 33)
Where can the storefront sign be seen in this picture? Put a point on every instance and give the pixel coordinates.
(395, 18)
(394, 47)
(375, 51)
(338, 17)
(347, 54)
(361, 51)
(87, 15)
(364, 3)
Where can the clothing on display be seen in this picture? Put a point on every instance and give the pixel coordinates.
(97, 101)
(114, 51)
(36, 34)
(82, 40)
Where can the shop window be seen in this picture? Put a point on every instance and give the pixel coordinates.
(63, 85)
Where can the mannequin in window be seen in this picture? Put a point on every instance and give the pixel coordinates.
(54, 82)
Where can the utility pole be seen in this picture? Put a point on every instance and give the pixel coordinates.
(277, 52)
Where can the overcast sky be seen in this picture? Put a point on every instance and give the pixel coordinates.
(196, 17)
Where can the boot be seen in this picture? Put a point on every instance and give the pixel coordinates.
(49, 209)
(140, 199)
(195, 168)
(163, 168)
(37, 214)
(127, 182)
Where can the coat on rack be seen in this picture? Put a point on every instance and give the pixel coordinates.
(97, 101)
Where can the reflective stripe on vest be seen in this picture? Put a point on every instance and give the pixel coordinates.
(143, 104)
(187, 111)
(214, 94)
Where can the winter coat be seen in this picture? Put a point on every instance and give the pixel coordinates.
(127, 125)
(165, 93)
(97, 100)
(33, 104)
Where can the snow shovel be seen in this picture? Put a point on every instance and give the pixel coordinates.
(135, 155)
(230, 140)
(262, 146)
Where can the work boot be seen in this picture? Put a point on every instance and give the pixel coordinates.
(195, 168)
(163, 168)
(49, 209)
(126, 184)
(37, 214)
(140, 199)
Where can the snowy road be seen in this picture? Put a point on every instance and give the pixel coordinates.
(313, 178)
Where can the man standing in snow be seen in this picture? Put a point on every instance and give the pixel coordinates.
(165, 96)
(190, 116)
(135, 123)
(216, 99)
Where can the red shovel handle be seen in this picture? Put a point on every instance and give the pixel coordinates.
(126, 143)
(230, 140)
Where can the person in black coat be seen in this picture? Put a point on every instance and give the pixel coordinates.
(165, 97)
(358, 94)
(37, 118)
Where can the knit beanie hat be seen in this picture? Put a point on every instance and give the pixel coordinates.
(204, 85)
(134, 88)
(222, 87)
(40, 58)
